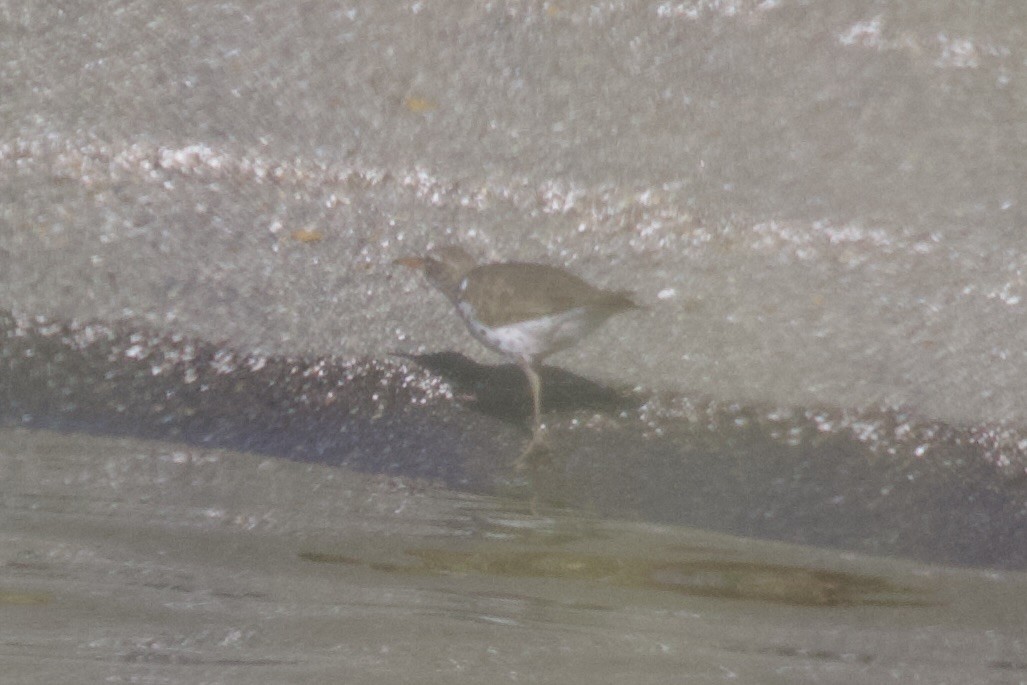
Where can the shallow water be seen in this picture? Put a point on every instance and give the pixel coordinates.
(133, 561)
(882, 482)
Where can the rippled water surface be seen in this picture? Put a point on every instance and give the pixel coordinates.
(130, 561)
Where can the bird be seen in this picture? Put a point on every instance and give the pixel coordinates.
(522, 310)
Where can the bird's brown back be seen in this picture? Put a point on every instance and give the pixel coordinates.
(516, 291)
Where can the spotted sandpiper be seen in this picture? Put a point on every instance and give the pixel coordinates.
(524, 311)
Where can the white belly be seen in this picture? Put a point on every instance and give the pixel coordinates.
(535, 339)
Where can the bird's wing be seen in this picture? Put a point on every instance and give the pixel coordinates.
(513, 291)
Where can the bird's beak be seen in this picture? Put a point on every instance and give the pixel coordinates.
(412, 262)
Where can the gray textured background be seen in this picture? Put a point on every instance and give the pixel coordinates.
(821, 202)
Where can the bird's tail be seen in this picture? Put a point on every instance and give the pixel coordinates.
(620, 300)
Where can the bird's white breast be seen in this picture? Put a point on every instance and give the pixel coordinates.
(533, 339)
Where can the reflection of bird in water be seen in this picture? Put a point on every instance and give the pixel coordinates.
(524, 311)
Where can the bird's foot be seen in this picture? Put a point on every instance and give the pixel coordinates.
(538, 446)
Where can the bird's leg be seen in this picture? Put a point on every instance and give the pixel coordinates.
(535, 384)
(537, 434)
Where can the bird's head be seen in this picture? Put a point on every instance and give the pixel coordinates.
(444, 267)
